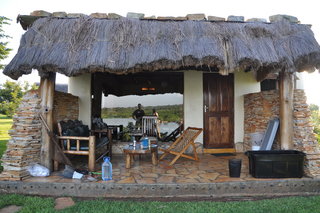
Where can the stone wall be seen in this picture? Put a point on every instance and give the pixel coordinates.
(65, 107)
(304, 139)
(259, 108)
(263, 106)
(24, 146)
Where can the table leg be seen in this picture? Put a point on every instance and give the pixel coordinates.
(128, 161)
(154, 158)
(131, 159)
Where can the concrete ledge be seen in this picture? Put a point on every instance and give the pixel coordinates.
(213, 190)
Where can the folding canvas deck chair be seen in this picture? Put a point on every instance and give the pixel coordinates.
(182, 144)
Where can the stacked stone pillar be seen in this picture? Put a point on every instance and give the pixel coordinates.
(24, 146)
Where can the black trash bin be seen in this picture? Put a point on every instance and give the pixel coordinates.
(234, 167)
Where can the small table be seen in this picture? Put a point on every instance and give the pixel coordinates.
(130, 151)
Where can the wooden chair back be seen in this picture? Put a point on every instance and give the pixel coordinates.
(150, 126)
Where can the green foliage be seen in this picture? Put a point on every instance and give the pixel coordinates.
(43, 204)
(314, 107)
(126, 132)
(315, 119)
(4, 50)
(11, 94)
(170, 113)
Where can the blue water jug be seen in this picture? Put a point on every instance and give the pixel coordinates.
(145, 142)
(106, 169)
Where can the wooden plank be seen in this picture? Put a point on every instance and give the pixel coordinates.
(225, 131)
(76, 152)
(214, 151)
(286, 84)
(214, 132)
(68, 144)
(73, 138)
(78, 145)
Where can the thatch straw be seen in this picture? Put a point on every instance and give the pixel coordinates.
(81, 45)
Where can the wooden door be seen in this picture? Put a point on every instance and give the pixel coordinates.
(218, 111)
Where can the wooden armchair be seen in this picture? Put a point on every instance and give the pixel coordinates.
(182, 143)
(75, 139)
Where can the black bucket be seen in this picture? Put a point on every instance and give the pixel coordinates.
(234, 167)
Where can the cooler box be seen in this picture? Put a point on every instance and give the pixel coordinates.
(276, 163)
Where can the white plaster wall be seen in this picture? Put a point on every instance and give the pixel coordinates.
(193, 101)
(299, 80)
(244, 83)
(81, 86)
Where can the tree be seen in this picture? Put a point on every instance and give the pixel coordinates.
(314, 107)
(315, 118)
(4, 50)
(11, 94)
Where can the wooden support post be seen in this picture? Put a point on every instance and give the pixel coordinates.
(96, 92)
(47, 86)
(286, 88)
(92, 155)
(110, 142)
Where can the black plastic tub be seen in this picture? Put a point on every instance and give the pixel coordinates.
(276, 163)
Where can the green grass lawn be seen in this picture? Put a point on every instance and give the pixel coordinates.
(5, 125)
(289, 204)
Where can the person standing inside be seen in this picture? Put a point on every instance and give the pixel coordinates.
(155, 113)
(137, 115)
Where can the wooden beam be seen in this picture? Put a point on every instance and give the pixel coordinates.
(47, 86)
(286, 88)
(216, 151)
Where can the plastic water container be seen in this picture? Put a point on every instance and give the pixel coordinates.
(145, 142)
(106, 169)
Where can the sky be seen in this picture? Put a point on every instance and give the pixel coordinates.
(306, 11)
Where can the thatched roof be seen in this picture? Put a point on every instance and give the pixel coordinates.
(73, 46)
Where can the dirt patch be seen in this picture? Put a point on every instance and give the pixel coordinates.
(10, 209)
(63, 202)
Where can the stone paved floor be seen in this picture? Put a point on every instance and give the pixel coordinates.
(209, 169)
